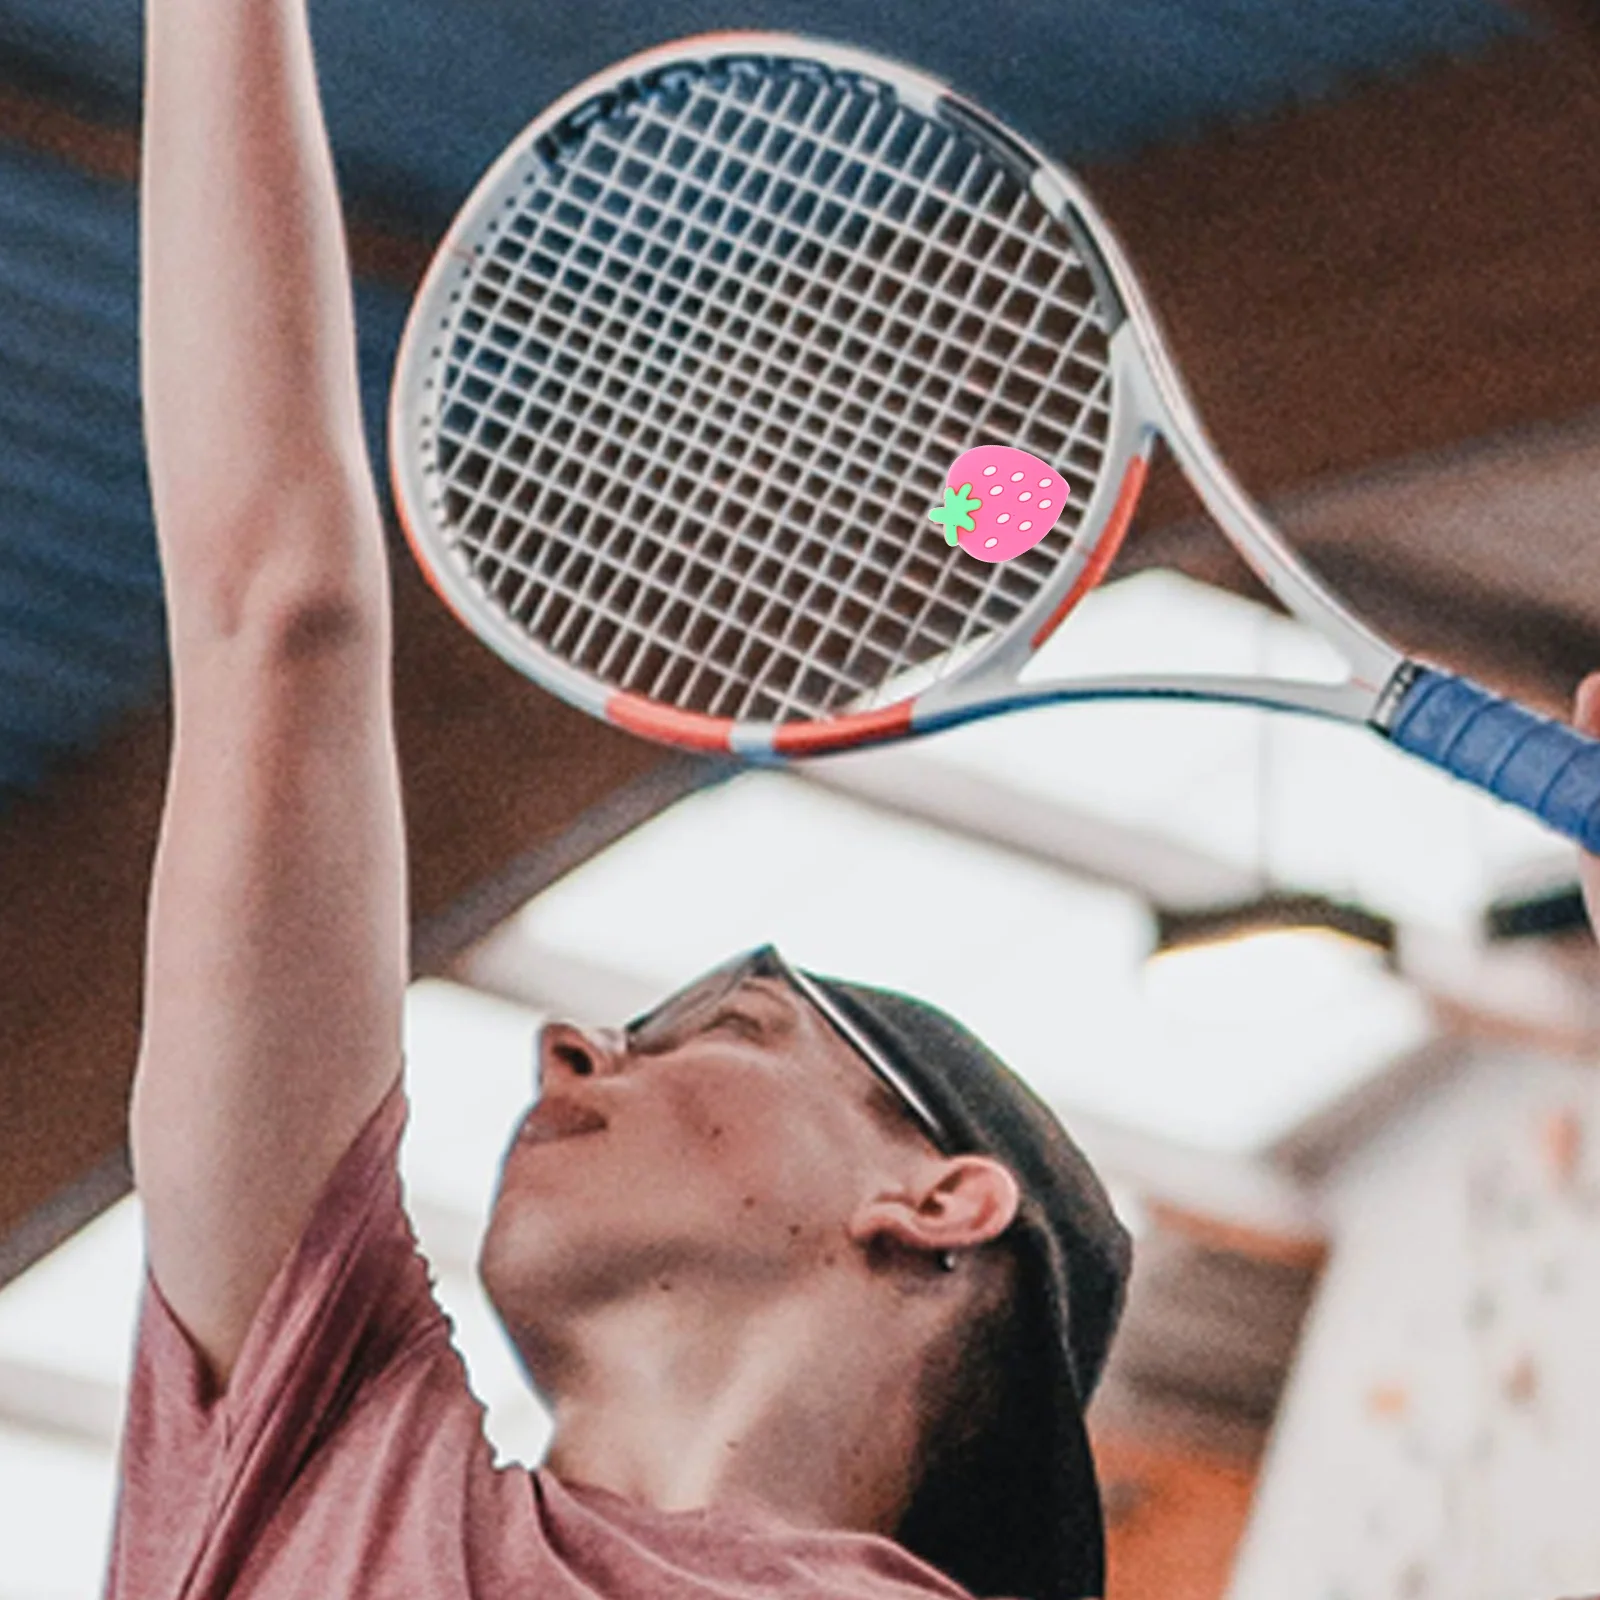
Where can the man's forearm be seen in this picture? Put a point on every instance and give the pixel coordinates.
(257, 461)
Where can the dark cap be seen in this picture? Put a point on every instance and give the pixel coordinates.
(1019, 1514)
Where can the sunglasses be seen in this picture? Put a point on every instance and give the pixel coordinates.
(688, 1012)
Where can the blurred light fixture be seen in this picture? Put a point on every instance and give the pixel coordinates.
(1273, 912)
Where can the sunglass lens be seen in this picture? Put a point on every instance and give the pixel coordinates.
(678, 1017)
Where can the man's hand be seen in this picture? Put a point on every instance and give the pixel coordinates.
(1586, 719)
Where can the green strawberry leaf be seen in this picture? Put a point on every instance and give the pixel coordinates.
(956, 512)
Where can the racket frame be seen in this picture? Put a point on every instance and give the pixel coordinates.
(1149, 402)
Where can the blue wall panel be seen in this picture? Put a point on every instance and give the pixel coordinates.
(422, 93)
(81, 631)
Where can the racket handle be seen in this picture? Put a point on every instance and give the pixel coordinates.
(1543, 766)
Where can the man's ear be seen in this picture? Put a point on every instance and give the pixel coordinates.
(958, 1203)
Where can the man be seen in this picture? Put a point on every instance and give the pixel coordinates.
(808, 1280)
(814, 1289)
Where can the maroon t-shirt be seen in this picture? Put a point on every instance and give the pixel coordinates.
(347, 1457)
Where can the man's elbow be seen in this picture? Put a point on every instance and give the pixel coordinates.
(293, 582)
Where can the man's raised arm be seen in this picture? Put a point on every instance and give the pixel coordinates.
(276, 959)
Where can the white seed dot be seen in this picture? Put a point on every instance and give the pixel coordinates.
(1016, 477)
(1044, 505)
(1044, 483)
(1024, 526)
(988, 472)
(989, 544)
(1002, 518)
(999, 488)
(1024, 495)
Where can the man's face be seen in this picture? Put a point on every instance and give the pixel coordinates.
(723, 1156)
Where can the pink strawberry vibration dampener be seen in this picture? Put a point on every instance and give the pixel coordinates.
(999, 501)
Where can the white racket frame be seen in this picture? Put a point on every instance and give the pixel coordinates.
(1149, 401)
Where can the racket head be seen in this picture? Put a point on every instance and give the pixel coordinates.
(686, 374)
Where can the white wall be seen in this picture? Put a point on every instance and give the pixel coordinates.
(1440, 1434)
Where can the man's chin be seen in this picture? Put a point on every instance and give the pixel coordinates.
(514, 1244)
(533, 1254)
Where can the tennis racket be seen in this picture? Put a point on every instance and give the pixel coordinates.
(681, 387)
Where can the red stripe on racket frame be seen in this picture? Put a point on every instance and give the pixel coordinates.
(1106, 551)
(694, 730)
(840, 733)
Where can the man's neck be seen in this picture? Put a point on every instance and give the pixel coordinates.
(804, 1407)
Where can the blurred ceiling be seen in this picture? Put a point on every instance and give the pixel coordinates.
(421, 96)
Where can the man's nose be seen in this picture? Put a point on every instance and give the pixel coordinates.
(565, 1048)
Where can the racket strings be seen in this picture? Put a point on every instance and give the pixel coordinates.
(809, 416)
(770, 629)
(712, 645)
(664, 436)
(746, 634)
(841, 318)
(605, 664)
(746, 631)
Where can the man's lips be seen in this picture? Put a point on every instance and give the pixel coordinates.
(556, 1117)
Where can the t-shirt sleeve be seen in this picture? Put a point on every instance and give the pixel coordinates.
(201, 1472)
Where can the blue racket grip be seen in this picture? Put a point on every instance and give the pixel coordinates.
(1543, 766)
